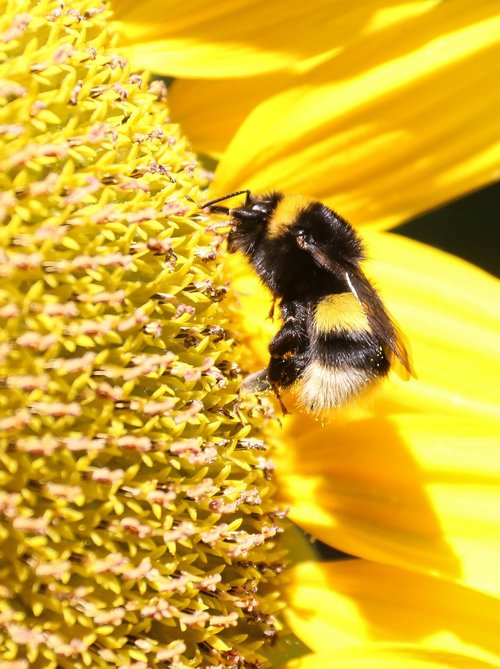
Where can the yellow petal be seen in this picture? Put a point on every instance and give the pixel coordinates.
(236, 38)
(399, 121)
(420, 491)
(211, 110)
(389, 656)
(448, 309)
(344, 608)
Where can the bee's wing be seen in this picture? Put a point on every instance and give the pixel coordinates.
(380, 322)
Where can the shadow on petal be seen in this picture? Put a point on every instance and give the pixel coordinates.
(357, 486)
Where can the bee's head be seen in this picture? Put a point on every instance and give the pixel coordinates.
(306, 234)
(250, 220)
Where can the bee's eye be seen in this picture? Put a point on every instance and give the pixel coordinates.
(302, 234)
(304, 239)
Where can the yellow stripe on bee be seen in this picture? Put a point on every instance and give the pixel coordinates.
(285, 214)
(340, 313)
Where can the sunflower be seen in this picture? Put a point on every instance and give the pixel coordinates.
(382, 110)
(138, 518)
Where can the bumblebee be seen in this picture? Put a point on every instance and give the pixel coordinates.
(337, 338)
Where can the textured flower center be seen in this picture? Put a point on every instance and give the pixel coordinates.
(137, 522)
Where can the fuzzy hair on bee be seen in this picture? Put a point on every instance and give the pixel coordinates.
(336, 338)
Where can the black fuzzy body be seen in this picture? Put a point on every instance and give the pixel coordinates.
(288, 272)
(306, 254)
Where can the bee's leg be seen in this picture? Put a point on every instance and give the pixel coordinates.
(277, 393)
(258, 382)
(271, 311)
(284, 371)
(288, 341)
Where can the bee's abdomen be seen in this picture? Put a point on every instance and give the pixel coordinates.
(356, 350)
(345, 357)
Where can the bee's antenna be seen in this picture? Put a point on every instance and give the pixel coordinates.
(220, 210)
(225, 210)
